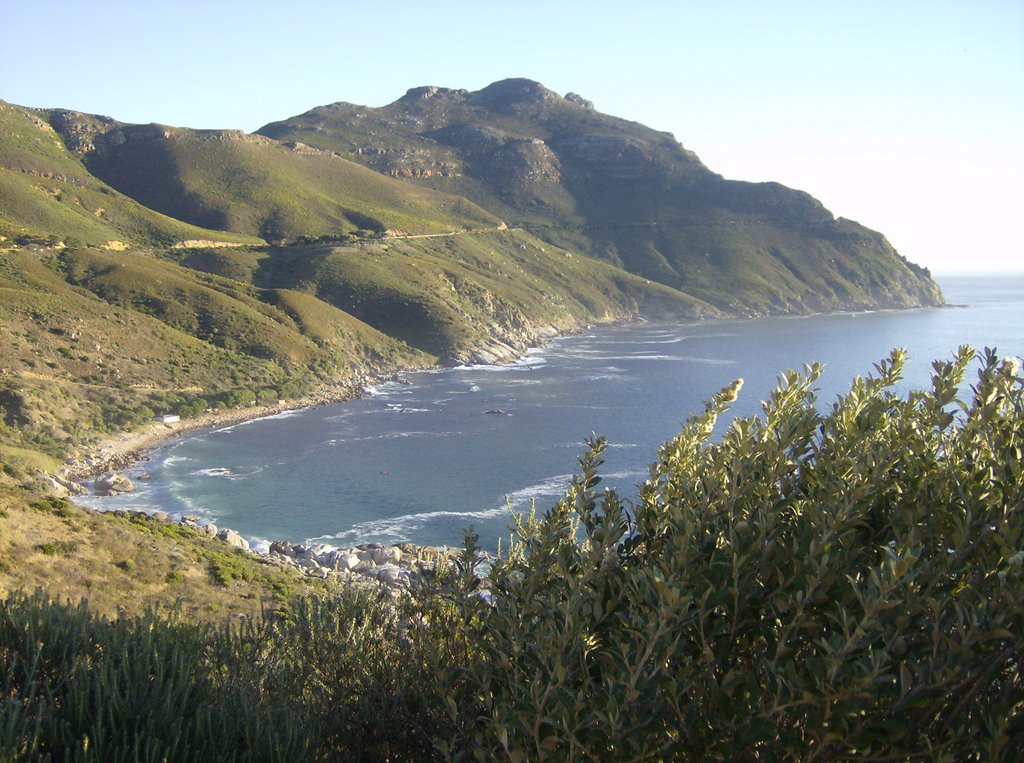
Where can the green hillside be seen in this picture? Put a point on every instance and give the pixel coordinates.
(46, 193)
(454, 297)
(623, 193)
(96, 341)
(251, 185)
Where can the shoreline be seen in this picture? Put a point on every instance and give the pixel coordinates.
(119, 451)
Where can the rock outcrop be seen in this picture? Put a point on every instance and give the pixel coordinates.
(112, 484)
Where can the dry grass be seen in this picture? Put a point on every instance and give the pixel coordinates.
(130, 564)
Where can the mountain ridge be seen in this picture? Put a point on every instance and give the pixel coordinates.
(151, 269)
(582, 179)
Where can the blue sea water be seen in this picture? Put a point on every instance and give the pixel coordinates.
(419, 460)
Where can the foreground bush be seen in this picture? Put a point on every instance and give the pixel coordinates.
(343, 678)
(78, 687)
(812, 586)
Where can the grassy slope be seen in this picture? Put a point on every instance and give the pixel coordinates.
(448, 296)
(126, 564)
(255, 186)
(89, 337)
(46, 191)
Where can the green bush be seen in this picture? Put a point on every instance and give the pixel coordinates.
(77, 687)
(58, 547)
(360, 669)
(811, 585)
(346, 677)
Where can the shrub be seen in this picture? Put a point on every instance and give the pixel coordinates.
(810, 586)
(58, 547)
(78, 687)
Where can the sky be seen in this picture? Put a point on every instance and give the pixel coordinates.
(905, 115)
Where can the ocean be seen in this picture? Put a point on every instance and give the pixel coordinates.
(421, 459)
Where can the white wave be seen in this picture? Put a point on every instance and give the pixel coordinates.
(216, 471)
(630, 474)
(226, 473)
(555, 487)
(400, 528)
(285, 414)
(399, 408)
(171, 460)
(550, 487)
(395, 436)
(288, 413)
(524, 363)
(676, 358)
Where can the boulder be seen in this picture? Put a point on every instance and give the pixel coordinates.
(389, 574)
(329, 558)
(282, 547)
(111, 484)
(66, 487)
(319, 550)
(310, 563)
(348, 561)
(363, 565)
(386, 555)
(233, 539)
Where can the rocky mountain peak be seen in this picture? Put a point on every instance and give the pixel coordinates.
(426, 92)
(508, 93)
(579, 100)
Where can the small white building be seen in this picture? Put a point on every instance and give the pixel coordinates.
(169, 419)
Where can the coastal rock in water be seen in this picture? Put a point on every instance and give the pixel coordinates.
(233, 539)
(111, 484)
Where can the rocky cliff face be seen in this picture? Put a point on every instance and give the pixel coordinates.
(624, 193)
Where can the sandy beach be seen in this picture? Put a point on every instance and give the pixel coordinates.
(123, 449)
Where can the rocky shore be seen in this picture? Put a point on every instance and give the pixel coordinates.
(395, 568)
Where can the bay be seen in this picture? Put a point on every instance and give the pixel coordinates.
(420, 459)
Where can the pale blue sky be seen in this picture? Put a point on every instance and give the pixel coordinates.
(906, 116)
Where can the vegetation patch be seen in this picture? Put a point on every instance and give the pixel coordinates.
(58, 548)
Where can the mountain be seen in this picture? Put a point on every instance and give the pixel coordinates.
(148, 269)
(623, 193)
(156, 269)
